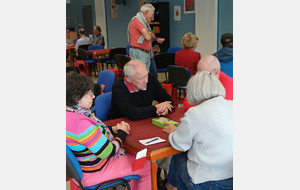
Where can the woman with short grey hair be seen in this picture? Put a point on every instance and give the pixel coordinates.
(205, 136)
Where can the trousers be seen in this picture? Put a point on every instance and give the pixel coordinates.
(178, 177)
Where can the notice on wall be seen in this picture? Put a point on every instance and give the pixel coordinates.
(114, 9)
(177, 14)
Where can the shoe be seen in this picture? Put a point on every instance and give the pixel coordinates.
(161, 183)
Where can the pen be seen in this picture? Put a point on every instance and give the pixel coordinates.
(152, 140)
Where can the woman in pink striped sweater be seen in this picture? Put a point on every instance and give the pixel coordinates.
(98, 152)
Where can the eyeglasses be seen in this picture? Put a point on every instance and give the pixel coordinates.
(91, 93)
(212, 71)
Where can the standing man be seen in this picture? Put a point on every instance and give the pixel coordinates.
(83, 40)
(99, 39)
(140, 35)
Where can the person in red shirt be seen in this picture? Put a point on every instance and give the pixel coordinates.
(211, 64)
(188, 57)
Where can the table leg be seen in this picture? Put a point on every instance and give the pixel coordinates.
(70, 61)
(99, 64)
(153, 175)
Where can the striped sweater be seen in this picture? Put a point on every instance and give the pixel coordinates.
(89, 143)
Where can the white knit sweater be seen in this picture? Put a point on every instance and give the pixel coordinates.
(206, 132)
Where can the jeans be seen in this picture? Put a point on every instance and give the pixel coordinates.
(153, 69)
(140, 55)
(178, 177)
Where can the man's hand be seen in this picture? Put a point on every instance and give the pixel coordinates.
(160, 40)
(163, 108)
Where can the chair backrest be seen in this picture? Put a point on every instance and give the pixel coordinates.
(173, 49)
(74, 166)
(93, 47)
(82, 53)
(85, 47)
(163, 60)
(113, 52)
(127, 49)
(121, 60)
(179, 75)
(102, 105)
(107, 78)
(227, 68)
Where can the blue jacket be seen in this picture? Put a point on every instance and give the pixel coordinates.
(225, 54)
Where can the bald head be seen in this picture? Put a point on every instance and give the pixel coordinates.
(209, 63)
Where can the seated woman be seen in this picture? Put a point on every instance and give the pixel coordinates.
(97, 150)
(205, 136)
(187, 57)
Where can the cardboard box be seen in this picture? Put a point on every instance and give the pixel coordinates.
(160, 122)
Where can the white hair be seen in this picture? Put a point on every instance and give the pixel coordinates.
(131, 66)
(203, 86)
(146, 7)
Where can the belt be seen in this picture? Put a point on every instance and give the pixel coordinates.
(139, 49)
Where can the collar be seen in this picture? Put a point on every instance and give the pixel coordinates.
(130, 88)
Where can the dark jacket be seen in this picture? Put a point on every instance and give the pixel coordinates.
(225, 54)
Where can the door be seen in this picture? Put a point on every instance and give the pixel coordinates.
(88, 20)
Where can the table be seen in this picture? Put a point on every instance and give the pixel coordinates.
(144, 129)
(70, 48)
(98, 52)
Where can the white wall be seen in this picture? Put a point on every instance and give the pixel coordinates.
(206, 23)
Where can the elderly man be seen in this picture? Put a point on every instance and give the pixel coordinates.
(132, 95)
(99, 39)
(83, 40)
(140, 35)
(211, 64)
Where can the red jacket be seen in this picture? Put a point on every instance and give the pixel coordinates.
(226, 81)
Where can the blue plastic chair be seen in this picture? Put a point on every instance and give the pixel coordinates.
(102, 105)
(76, 171)
(102, 59)
(84, 56)
(173, 49)
(107, 78)
(227, 68)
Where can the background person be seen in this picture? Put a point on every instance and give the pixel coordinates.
(99, 39)
(83, 40)
(211, 64)
(187, 57)
(225, 54)
(205, 135)
(97, 150)
(140, 35)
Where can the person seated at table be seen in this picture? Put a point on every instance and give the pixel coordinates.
(83, 40)
(133, 94)
(99, 39)
(211, 64)
(69, 42)
(205, 137)
(97, 150)
(187, 57)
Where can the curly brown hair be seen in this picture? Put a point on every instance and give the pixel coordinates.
(77, 85)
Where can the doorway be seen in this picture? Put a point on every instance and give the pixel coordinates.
(88, 20)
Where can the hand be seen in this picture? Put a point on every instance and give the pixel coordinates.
(122, 126)
(160, 40)
(163, 108)
(153, 36)
(169, 128)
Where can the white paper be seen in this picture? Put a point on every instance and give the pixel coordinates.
(159, 140)
(141, 154)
